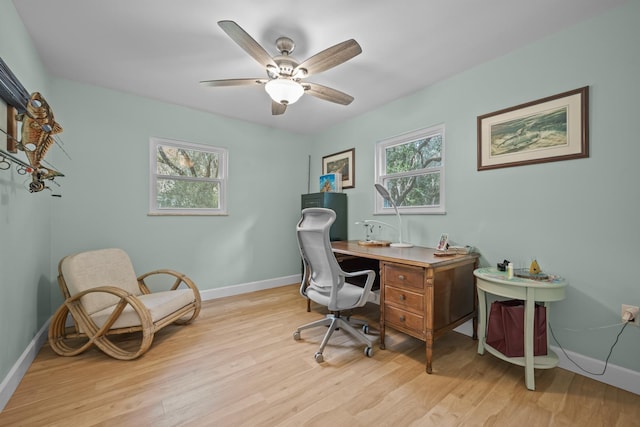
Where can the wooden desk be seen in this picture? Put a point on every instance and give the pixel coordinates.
(421, 294)
(492, 281)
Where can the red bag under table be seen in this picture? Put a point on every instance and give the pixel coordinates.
(505, 329)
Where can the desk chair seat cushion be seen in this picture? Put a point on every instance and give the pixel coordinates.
(159, 304)
(104, 267)
(350, 295)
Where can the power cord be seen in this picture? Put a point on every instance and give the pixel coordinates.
(606, 362)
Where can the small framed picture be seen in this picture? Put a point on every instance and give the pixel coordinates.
(443, 244)
(343, 163)
(331, 183)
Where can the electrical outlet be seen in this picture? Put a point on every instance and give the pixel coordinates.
(634, 310)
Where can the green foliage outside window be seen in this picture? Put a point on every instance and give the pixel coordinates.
(412, 171)
(186, 193)
(187, 178)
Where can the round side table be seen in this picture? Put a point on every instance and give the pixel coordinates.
(492, 281)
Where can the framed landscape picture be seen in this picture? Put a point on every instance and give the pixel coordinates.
(344, 163)
(546, 130)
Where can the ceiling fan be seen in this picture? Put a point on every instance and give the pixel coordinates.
(285, 83)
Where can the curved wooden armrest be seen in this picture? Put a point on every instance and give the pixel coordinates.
(119, 292)
(126, 298)
(180, 278)
(98, 335)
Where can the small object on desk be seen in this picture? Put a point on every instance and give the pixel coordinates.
(444, 253)
(525, 274)
(454, 250)
(374, 242)
(443, 244)
(534, 268)
(502, 266)
(460, 250)
(510, 271)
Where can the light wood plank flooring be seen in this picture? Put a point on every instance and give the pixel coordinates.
(238, 365)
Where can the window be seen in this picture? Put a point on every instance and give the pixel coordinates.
(411, 167)
(187, 179)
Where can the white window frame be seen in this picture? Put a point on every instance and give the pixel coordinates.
(223, 157)
(381, 177)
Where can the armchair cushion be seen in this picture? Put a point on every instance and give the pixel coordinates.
(159, 304)
(107, 267)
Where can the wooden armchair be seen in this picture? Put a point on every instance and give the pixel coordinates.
(104, 297)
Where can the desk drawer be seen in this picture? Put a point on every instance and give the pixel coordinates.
(404, 319)
(403, 276)
(404, 299)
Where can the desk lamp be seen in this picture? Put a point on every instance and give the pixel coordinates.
(385, 195)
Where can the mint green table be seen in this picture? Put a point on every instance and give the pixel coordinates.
(492, 281)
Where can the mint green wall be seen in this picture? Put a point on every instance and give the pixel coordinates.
(578, 217)
(25, 237)
(105, 191)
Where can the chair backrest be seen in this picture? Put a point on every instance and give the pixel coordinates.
(315, 248)
(91, 269)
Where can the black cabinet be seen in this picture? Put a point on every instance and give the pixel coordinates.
(334, 201)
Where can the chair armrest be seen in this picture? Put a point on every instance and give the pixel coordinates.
(180, 278)
(83, 318)
(368, 285)
(304, 282)
(119, 292)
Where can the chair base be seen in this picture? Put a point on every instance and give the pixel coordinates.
(336, 322)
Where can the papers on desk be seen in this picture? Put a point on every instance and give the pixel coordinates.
(454, 250)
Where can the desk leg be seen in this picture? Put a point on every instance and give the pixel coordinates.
(529, 306)
(482, 320)
(429, 348)
(382, 299)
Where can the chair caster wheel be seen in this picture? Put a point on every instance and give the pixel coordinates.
(365, 329)
(296, 335)
(368, 351)
(318, 357)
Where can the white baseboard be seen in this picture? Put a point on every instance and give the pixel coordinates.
(244, 288)
(13, 378)
(616, 376)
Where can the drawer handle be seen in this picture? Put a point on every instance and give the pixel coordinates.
(402, 319)
(402, 297)
(401, 277)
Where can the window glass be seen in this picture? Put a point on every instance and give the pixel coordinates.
(411, 168)
(187, 179)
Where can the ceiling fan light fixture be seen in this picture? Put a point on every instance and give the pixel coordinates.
(284, 91)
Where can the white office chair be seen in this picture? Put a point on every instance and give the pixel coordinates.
(324, 281)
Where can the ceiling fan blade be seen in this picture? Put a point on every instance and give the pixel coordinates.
(329, 58)
(246, 42)
(233, 82)
(327, 93)
(277, 108)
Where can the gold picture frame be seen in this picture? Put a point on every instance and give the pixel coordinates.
(344, 163)
(545, 130)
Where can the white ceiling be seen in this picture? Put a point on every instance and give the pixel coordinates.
(162, 49)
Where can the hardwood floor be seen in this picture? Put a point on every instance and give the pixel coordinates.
(238, 365)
